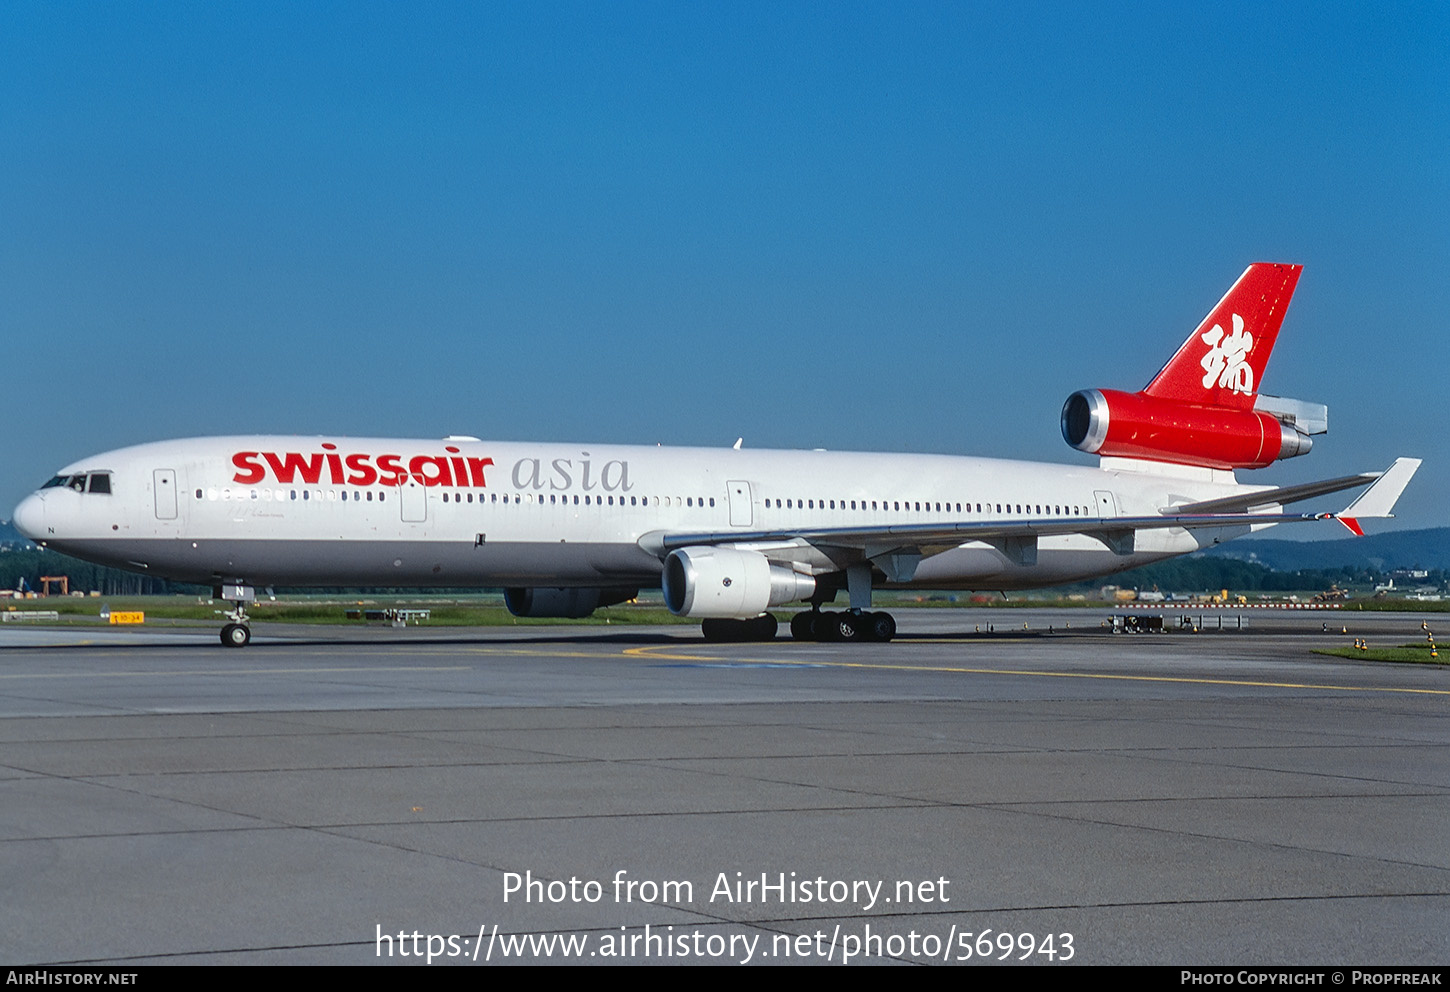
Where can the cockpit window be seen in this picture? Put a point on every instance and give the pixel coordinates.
(95, 482)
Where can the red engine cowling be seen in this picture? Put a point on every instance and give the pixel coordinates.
(1135, 425)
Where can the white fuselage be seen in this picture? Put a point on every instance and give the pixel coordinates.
(367, 511)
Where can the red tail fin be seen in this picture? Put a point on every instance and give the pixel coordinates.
(1222, 363)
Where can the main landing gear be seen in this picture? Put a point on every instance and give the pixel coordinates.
(856, 624)
(238, 633)
(761, 628)
(818, 625)
(810, 625)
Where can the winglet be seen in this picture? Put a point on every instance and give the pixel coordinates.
(1379, 499)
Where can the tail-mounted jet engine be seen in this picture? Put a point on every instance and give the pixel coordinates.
(1137, 425)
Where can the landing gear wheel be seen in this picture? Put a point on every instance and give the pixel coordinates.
(715, 629)
(236, 635)
(801, 625)
(763, 627)
(846, 627)
(879, 626)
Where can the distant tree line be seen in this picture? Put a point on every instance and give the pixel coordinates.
(84, 576)
(1210, 574)
(32, 563)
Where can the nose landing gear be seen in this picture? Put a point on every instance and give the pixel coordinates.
(237, 634)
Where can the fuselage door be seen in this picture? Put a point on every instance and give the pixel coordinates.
(163, 484)
(413, 498)
(1107, 506)
(740, 513)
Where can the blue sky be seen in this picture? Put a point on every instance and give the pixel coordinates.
(854, 226)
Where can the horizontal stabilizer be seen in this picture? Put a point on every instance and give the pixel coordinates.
(1306, 418)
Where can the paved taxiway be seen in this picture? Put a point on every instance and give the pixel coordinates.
(1220, 798)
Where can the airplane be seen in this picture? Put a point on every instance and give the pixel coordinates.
(727, 533)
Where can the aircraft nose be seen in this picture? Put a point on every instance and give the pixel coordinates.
(29, 517)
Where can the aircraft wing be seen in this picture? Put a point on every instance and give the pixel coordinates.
(1246, 502)
(1017, 538)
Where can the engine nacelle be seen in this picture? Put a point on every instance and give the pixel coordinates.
(572, 604)
(724, 582)
(1135, 425)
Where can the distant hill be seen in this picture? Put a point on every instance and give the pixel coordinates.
(1380, 552)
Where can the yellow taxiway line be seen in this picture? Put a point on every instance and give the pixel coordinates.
(649, 652)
